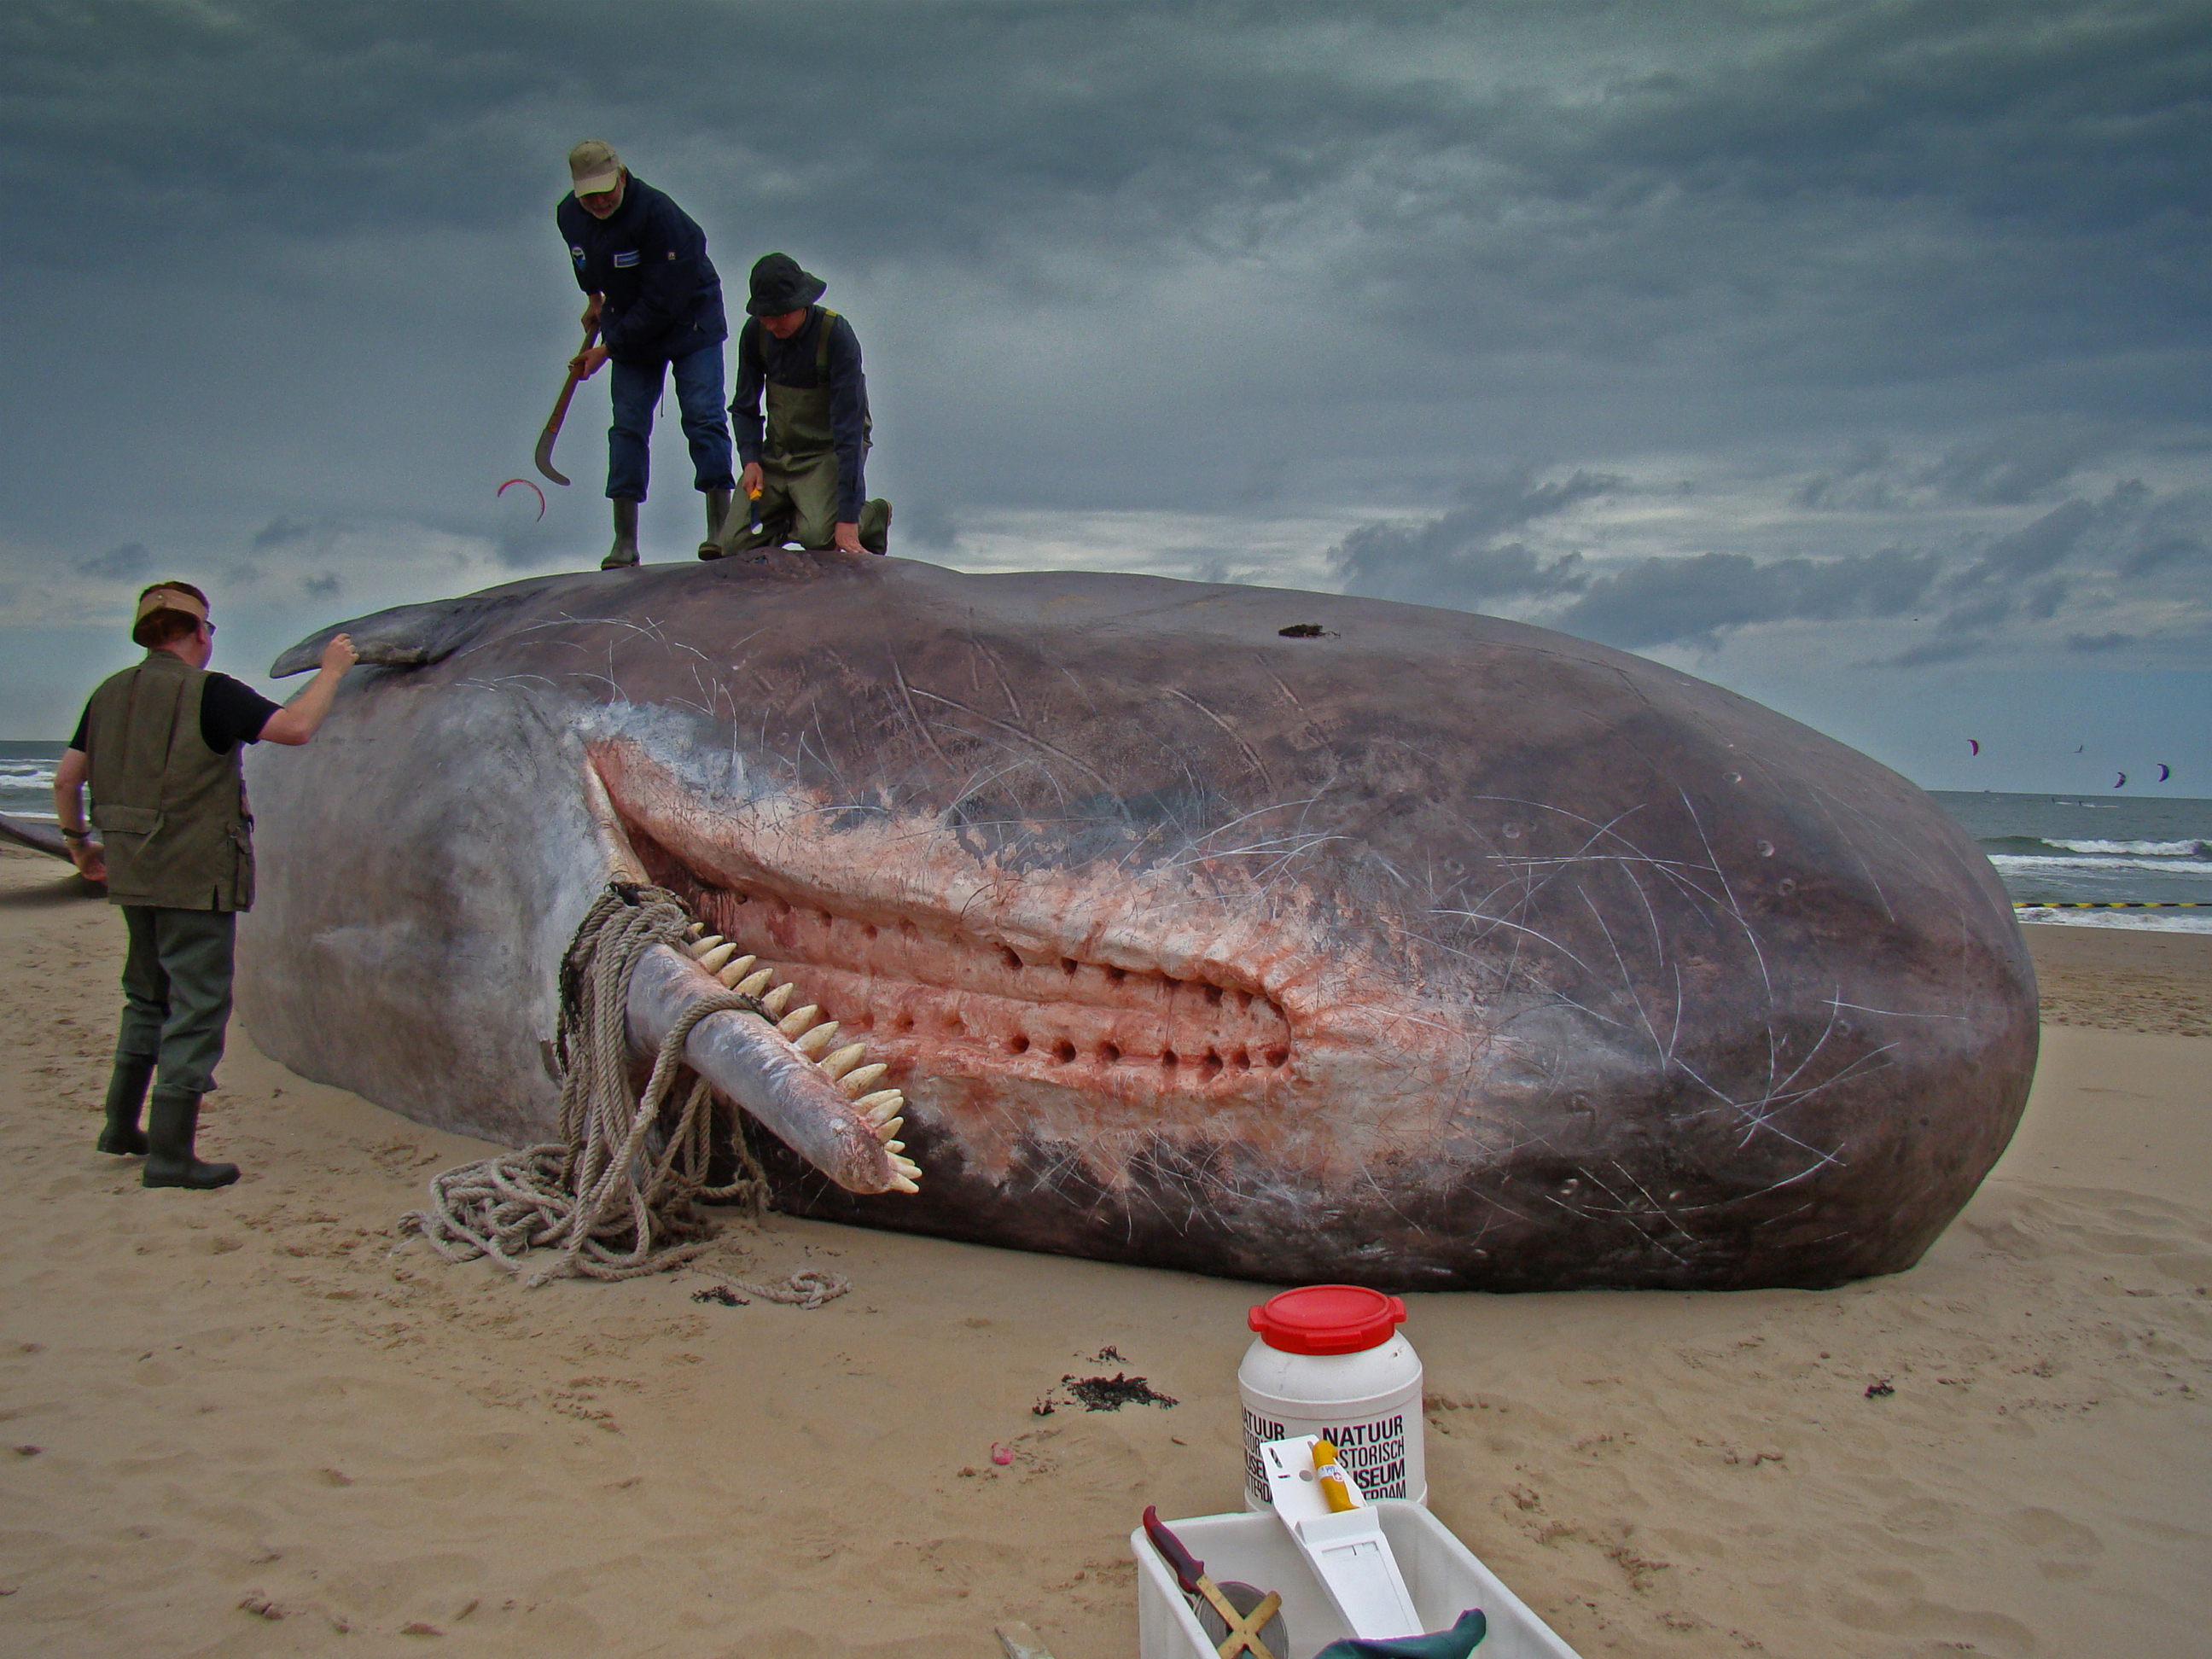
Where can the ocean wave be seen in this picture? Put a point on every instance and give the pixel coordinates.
(2140, 921)
(2033, 863)
(2147, 849)
(2045, 846)
(27, 773)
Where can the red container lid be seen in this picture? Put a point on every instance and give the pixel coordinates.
(1328, 1319)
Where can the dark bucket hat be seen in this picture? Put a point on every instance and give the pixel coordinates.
(779, 285)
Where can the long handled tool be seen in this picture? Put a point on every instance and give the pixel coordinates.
(544, 457)
(1249, 1621)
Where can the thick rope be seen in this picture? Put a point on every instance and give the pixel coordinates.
(615, 1197)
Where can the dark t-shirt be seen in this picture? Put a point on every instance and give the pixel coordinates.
(230, 714)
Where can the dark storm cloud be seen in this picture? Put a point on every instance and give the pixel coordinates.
(1934, 653)
(286, 532)
(117, 563)
(2008, 468)
(1968, 618)
(1663, 601)
(1693, 174)
(2045, 543)
(1462, 557)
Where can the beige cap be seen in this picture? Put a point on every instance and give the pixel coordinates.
(593, 166)
(167, 598)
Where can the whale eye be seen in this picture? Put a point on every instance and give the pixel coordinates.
(1512, 832)
(1766, 849)
(1455, 866)
(1786, 887)
(1736, 777)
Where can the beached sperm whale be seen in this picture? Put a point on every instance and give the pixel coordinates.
(1263, 934)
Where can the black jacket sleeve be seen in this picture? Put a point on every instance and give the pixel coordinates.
(745, 420)
(848, 419)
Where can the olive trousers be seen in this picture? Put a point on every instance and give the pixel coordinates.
(798, 503)
(176, 993)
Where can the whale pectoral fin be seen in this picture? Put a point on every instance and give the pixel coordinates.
(411, 636)
(41, 837)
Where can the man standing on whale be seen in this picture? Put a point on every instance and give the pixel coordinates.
(656, 300)
(805, 471)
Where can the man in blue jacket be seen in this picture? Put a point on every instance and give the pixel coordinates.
(655, 301)
(803, 461)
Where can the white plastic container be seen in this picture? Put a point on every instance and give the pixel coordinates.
(1443, 1575)
(1329, 1360)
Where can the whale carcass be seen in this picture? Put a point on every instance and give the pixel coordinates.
(1269, 934)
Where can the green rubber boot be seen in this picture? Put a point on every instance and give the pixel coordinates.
(718, 514)
(126, 1097)
(624, 554)
(171, 1128)
(875, 525)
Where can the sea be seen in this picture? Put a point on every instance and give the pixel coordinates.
(2051, 851)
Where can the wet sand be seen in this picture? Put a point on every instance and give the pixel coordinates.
(242, 1424)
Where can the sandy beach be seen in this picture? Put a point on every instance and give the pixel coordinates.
(259, 1422)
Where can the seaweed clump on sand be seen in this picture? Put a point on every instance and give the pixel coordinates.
(1103, 1393)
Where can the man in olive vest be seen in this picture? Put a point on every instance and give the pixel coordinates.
(806, 481)
(160, 743)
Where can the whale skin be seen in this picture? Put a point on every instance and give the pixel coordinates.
(1408, 948)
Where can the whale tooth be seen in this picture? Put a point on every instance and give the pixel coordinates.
(844, 1059)
(856, 1083)
(695, 930)
(736, 971)
(894, 1145)
(778, 1000)
(885, 1132)
(878, 1106)
(817, 1040)
(798, 1020)
(905, 1166)
(901, 1184)
(753, 984)
(713, 959)
(700, 946)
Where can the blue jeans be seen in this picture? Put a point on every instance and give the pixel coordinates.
(634, 391)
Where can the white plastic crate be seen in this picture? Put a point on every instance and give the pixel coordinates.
(1443, 1577)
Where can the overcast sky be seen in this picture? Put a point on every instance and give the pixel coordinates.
(1852, 355)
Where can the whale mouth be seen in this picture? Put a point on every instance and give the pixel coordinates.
(937, 1000)
(939, 994)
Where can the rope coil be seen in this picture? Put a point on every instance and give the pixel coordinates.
(615, 1196)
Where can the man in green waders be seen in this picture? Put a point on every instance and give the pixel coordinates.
(806, 481)
(161, 744)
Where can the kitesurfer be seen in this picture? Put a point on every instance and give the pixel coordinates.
(656, 300)
(805, 360)
(160, 743)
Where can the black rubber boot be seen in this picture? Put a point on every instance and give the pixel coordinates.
(624, 553)
(126, 1097)
(718, 514)
(171, 1125)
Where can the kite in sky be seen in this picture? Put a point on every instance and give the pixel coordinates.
(527, 485)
